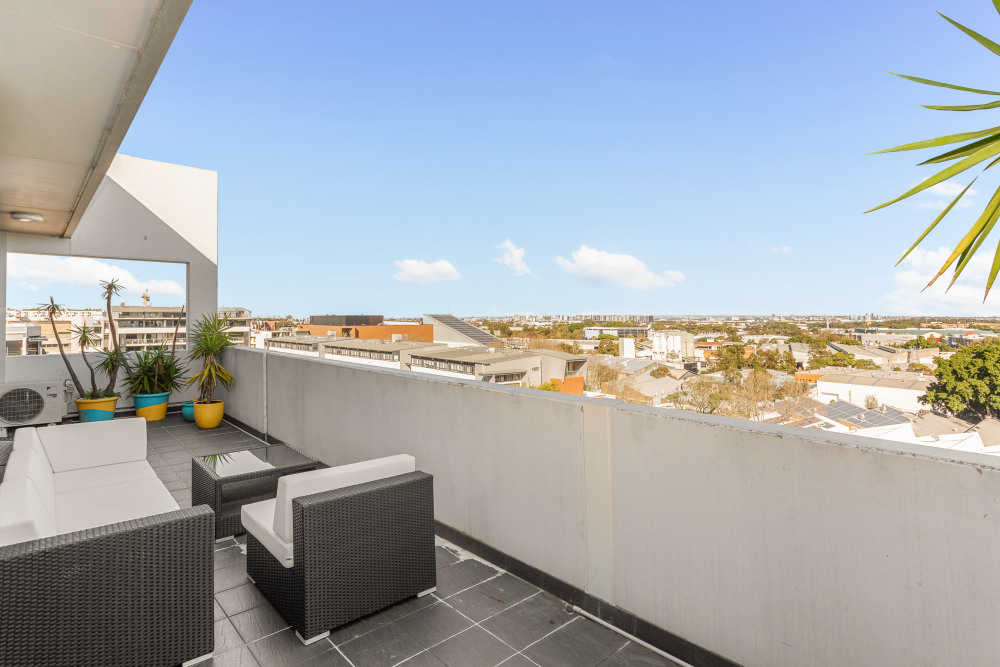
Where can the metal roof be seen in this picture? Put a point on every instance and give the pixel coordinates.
(467, 330)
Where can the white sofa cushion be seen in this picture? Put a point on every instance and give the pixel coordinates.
(75, 446)
(88, 508)
(26, 464)
(258, 519)
(89, 478)
(27, 438)
(23, 515)
(328, 479)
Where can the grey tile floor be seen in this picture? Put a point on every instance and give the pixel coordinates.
(480, 616)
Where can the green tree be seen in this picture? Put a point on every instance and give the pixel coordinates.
(918, 368)
(608, 347)
(660, 372)
(920, 343)
(730, 358)
(969, 382)
(547, 386)
(983, 146)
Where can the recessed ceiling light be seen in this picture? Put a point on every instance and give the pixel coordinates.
(26, 217)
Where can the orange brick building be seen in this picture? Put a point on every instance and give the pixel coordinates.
(419, 333)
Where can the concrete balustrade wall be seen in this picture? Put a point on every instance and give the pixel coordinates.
(766, 545)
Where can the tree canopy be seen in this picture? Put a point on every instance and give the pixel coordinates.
(969, 382)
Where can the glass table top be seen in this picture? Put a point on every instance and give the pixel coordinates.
(254, 460)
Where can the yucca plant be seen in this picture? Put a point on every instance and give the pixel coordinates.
(89, 337)
(208, 339)
(977, 147)
(153, 371)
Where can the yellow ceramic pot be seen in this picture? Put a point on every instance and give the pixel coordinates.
(209, 415)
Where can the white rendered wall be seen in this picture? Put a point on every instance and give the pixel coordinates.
(119, 224)
(768, 545)
(378, 363)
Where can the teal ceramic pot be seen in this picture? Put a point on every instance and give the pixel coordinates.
(188, 410)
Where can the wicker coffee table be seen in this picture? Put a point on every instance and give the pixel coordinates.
(227, 482)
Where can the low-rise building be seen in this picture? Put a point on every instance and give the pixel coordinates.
(525, 368)
(620, 332)
(880, 355)
(380, 353)
(672, 344)
(308, 346)
(897, 389)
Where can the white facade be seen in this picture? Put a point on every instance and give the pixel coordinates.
(903, 399)
(672, 345)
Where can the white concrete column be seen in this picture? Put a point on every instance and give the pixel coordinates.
(3, 303)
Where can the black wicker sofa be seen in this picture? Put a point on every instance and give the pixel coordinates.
(98, 564)
(341, 543)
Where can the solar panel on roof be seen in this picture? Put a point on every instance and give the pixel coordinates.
(466, 329)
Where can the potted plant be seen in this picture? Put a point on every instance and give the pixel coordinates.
(207, 341)
(152, 375)
(96, 404)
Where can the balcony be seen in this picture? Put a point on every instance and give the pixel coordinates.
(479, 614)
(718, 541)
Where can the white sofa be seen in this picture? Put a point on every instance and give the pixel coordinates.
(98, 565)
(61, 479)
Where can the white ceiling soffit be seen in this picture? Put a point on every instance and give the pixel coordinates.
(72, 77)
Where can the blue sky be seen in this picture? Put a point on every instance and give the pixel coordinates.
(653, 157)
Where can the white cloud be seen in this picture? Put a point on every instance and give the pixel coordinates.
(622, 270)
(930, 198)
(513, 258)
(784, 248)
(964, 298)
(419, 271)
(33, 272)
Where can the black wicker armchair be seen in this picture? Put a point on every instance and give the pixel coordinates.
(355, 550)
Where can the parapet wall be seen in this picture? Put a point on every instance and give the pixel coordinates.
(767, 545)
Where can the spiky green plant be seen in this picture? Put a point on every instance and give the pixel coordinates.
(977, 148)
(153, 371)
(208, 339)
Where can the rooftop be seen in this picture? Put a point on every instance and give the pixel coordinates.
(479, 615)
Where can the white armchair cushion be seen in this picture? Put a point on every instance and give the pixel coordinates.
(328, 479)
(76, 446)
(90, 478)
(23, 515)
(99, 506)
(26, 464)
(258, 519)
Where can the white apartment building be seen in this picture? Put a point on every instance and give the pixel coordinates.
(239, 321)
(143, 327)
